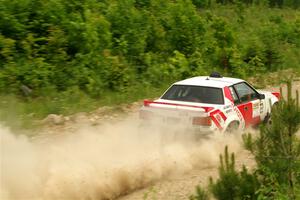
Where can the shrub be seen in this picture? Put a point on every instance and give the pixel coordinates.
(233, 184)
(277, 154)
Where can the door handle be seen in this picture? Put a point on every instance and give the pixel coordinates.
(246, 108)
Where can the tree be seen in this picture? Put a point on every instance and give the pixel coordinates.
(277, 151)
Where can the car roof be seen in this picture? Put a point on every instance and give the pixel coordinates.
(209, 81)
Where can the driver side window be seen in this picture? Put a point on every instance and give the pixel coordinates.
(245, 92)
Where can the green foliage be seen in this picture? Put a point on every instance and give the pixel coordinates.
(277, 152)
(271, 3)
(248, 141)
(202, 3)
(105, 47)
(201, 194)
(233, 184)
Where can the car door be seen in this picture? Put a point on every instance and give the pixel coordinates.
(248, 104)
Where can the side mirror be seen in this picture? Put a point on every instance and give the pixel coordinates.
(261, 96)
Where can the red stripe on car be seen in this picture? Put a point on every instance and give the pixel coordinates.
(217, 123)
(223, 116)
(228, 93)
(220, 113)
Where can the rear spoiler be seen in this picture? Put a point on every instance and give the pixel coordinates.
(148, 102)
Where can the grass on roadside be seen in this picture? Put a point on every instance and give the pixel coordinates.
(19, 113)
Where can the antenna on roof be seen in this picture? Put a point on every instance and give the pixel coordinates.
(215, 75)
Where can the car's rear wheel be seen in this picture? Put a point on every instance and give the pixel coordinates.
(232, 128)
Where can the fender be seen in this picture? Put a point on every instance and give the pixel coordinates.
(233, 118)
(270, 100)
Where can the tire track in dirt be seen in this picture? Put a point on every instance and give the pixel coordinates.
(183, 185)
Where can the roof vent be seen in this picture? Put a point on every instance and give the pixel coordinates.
(215, 75)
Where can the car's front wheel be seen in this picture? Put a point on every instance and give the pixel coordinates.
(268, 118)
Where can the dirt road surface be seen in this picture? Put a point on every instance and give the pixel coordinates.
(105, 156)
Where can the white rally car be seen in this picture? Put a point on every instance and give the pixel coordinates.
(212, 103)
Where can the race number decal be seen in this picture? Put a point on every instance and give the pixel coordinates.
(261, 107)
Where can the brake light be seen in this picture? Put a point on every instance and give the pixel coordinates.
(277, 94)
(147, 102)
(145, 114)
(203, 121)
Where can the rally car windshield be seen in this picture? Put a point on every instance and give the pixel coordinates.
(197, 94)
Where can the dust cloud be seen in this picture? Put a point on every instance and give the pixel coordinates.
(99, 162)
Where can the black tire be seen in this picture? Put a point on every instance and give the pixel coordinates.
(268, 118)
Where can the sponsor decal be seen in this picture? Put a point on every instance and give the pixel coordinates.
(255, 106)
(261, 106)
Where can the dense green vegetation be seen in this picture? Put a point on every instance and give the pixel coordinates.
(59, 52)
(277, 155)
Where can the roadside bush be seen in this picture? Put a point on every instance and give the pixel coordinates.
(201, 194)
(277, 151)
(233, 184)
